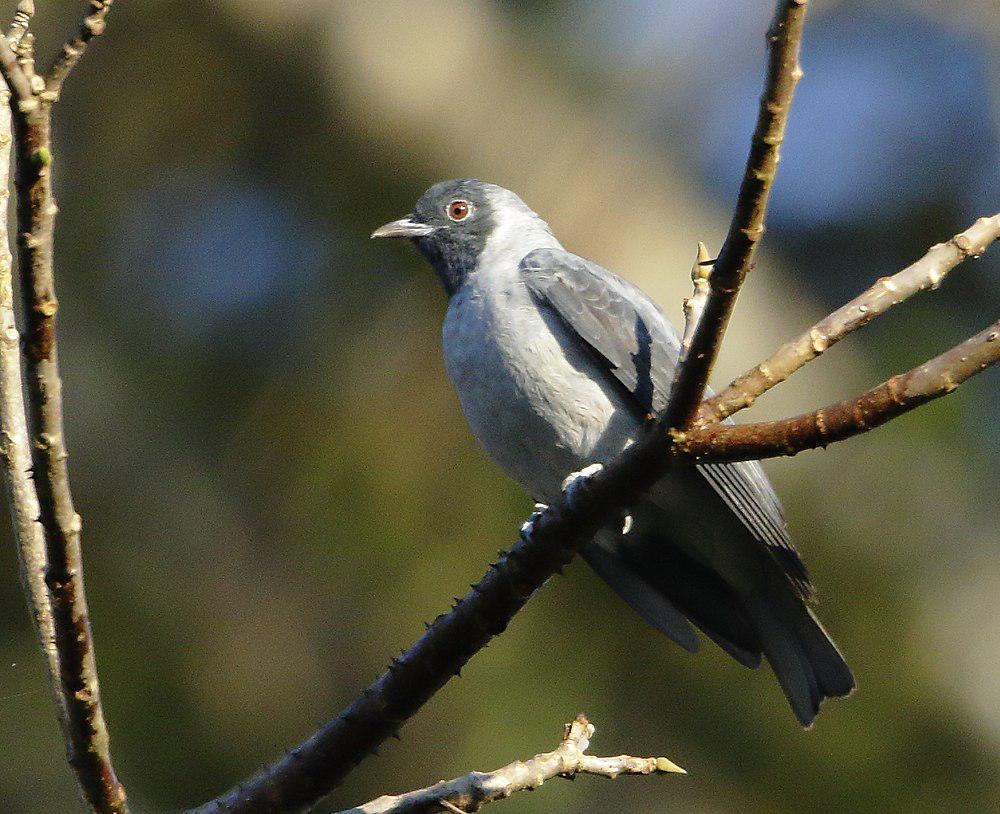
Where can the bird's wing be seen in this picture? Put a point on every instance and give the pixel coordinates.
(615, 319)
(632, 339)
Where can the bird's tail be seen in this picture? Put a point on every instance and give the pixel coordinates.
(804, 658)
(669, 589)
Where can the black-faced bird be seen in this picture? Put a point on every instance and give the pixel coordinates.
(557, 363)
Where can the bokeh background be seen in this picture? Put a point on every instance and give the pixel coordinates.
(278, 487)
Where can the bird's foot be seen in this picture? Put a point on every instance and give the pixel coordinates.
(626, 524)
(528, 525)
(570, 485)
(576, 479)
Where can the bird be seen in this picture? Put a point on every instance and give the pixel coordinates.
(558, 364)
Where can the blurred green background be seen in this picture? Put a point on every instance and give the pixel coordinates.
(270, 513)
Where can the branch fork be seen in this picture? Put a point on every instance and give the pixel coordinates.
(46, 522)
(472, 791)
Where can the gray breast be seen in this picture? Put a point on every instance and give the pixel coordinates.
(534, 399)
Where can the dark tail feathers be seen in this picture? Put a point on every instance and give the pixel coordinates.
(672, 589)
(805, 660)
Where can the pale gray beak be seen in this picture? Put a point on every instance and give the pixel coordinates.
(404, 227)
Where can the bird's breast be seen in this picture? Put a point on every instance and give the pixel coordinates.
(533, 397)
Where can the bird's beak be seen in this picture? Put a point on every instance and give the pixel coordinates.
(404, 227)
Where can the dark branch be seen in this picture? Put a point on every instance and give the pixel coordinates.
(888, 292)
(747, 226)
(936, 378)
(305, 774)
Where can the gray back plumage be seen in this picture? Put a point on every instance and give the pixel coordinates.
(637, 346)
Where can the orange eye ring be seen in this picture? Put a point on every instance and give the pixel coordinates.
(458, 210)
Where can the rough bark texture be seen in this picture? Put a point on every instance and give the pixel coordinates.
(936, 378)
(15, 446)
(88, 750)
(747, 225)
(82, 716)
(927, 273)
(475, 789)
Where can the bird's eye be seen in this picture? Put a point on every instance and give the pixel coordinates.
(459, 210)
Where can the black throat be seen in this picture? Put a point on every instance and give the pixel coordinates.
(454, 247)
(453, 257)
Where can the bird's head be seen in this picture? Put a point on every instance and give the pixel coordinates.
(454, 220)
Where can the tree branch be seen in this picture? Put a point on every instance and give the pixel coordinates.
(83, 717)
(933, 379)
(92, 25)
(22, 19)
(18, 82)
(15, 446)
(695, 304)
(306, 773)
(927, 273)
(747, 226)
(474, 790)
(88, 748)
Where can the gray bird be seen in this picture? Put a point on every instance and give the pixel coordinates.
(557, 363)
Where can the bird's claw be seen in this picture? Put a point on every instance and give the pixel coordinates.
(572, 482)
(576, 479)
(528, 525)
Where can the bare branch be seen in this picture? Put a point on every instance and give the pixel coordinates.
(15, 447)
(83, 717)
(938, 377)
(926, 273)
(93, 25)
(304, 774)
(747, 226)
(87, 736)
(22, 19)
(18, 82)
(695, 304)
(474, 790)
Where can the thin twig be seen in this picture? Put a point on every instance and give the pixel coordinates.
(926, 273)
(933, 379)
(92, 25)
(472, 791)
(18, 82)
(695, 304)
(88, 748)
(84, 727)
(22, 19)
(15, 446)
(747, 226)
